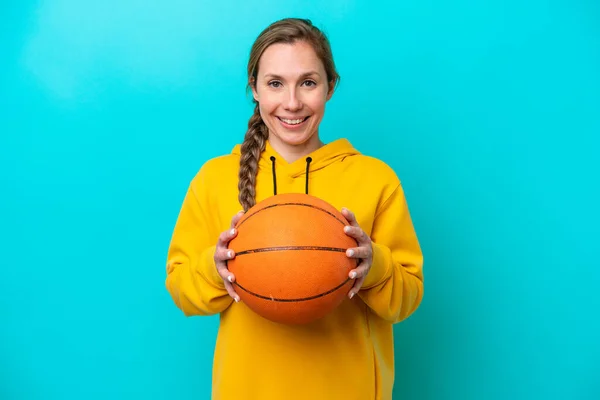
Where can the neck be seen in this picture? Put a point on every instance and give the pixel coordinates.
(292, 153)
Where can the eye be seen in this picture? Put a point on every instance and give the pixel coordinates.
(309, 83)
(275, 84)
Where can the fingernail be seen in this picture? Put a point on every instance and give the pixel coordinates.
(237, 299)
(347, 229)
(230, 254)
(352, 274)
(351, 294)
(350, 253)
(232, 232)
(229, 278)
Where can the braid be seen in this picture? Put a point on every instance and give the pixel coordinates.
(252, 147)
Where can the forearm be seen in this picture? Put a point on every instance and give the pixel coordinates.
(394, 287)
(195, 285)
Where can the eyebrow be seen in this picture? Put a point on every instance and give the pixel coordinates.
(304, 75)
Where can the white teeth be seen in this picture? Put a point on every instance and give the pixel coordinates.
(292, 121)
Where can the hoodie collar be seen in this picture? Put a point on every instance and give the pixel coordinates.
(320, 158)
(314, 161)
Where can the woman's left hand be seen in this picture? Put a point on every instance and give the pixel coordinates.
(364, 251)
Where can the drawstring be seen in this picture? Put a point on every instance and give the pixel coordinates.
(308, 161)
(274, 176)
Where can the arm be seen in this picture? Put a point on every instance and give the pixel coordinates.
(393, 286)
(192, 277)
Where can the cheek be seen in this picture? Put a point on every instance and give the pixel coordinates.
(317, 106)
(317, 102)
(267, 106)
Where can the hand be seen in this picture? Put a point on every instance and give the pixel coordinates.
(364, 251)
(222, 254)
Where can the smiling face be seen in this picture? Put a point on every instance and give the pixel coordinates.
(291, 88)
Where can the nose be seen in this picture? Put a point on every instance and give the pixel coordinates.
(293, 102)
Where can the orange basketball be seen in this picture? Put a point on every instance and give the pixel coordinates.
(291, 264)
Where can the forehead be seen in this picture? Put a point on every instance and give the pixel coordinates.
(290, 60)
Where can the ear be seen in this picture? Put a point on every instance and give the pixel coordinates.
(252, 83)
(330, 90)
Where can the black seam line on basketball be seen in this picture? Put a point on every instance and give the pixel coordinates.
(287, 248)
(292, 204)
(291, 300)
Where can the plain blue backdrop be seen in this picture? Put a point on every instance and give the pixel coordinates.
(488, 111)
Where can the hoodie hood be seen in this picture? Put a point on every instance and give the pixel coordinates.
(314, 161)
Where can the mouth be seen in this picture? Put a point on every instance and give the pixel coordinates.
(293, 123)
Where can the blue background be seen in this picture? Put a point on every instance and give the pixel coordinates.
(488, 111)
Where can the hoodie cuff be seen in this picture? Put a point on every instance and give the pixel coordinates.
(380, 268)
(208, 269)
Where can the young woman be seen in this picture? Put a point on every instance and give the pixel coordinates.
(349, 354)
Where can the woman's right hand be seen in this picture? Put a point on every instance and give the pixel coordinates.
(222, 254)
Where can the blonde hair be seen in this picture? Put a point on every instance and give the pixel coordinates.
(288, 30)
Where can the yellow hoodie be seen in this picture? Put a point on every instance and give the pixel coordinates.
(347, 355)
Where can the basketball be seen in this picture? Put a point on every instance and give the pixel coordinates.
(290, 264)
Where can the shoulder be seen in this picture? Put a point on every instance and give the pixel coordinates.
(215, 170)
(217, 165)
(377, 180)
(374, 168)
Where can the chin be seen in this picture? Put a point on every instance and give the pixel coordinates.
(294, 139)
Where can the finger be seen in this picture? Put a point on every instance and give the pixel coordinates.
(357, 233)
(349, 216)
(360, 271)
(225, 237)
(236, 218)
(356, 287)
(231, 292)
(359, 252)
(221, 257)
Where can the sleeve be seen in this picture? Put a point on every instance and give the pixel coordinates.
(192, 278)
(393, 288)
